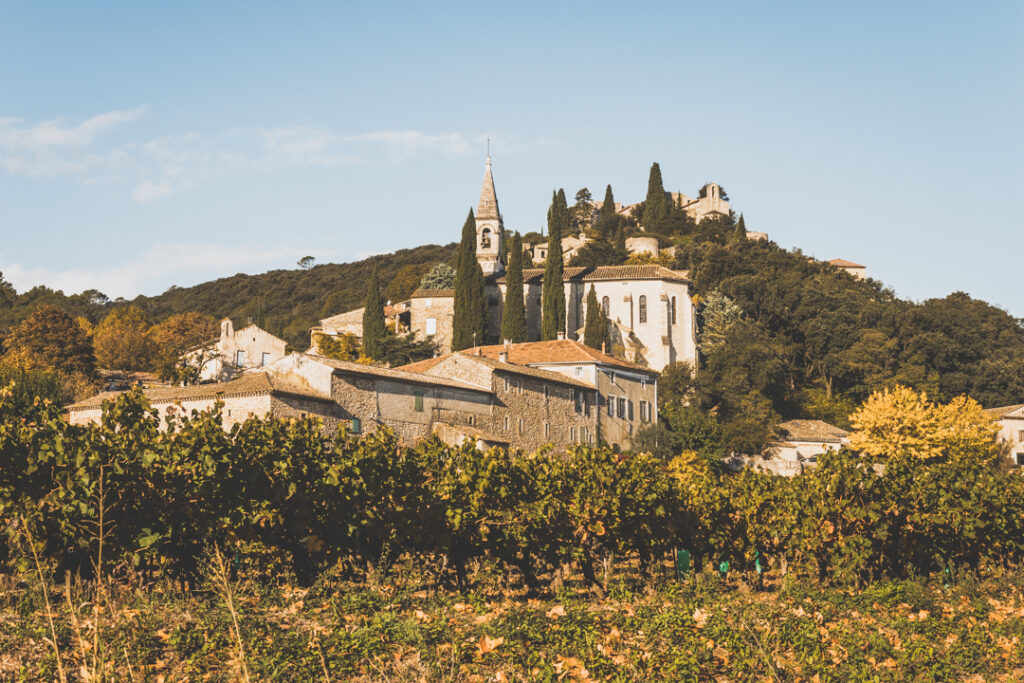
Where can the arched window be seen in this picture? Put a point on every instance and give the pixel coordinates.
(643, 308)
(672, 313)
(604, 305)
(485, 239)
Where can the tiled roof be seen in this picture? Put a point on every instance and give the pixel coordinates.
(644, 272)
(996, 413)
(536, 275)
(815, 431)
(555, 351)
(400, 375)
(424, 366)
(843, 263)
(249, 384)
(432, 293)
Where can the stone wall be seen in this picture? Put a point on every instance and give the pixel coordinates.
(531, 412)
(442, 311)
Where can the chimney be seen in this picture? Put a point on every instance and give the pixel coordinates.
(561, 335)
(503, 356)
(602, 348)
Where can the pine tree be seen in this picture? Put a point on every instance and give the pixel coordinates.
(595, 330)
(470, 316)
(553, 298)
(513, 321)
(374, 329)
(656, 206)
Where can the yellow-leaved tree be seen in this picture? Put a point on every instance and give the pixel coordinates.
(901, 422)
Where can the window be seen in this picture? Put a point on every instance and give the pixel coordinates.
(579, 398)
(1020, 436)
(604, 305)
(356, 425)
(672, 312)
(431, 326)
(645, 411)
(612, 376)
(579, 370)
(472, 420)
(265, 359)
(506, 385)
(485, 239)
(629, 405)
(520, 425)
(418, 401)
(240, 358)
(622, 407)
(643, 308)
(1020, 458)
(643, 385)
(611, 406)
(506, 423)
(547, 429)
(547, 392)
(572, 434)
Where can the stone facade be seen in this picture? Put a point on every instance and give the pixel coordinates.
(710, 204)
(643, 245)
(1011, 430)
(431, 312)
(237, 351)
(620, 397)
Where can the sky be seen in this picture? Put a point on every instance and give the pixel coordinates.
(145, 145)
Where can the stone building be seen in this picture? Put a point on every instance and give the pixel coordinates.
(709, 202)
(796, 449)
(237, 351)
(649, 305)
(1011, 430)
(626, 393)
(854, 269)
(254, 394)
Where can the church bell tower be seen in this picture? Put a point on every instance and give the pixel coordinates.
(490, 231)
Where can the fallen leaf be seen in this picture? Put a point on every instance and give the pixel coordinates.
(556, 612)
(487, 644)
(700, 617)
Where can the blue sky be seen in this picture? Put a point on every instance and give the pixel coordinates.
(150, 144)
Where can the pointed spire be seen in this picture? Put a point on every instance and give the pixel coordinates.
(488, 207)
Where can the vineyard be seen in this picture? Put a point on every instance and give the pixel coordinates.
(123, 505)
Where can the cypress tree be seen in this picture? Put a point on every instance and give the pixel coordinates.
(513, 320)
(553, 298)
(595, 330)
(470, 315)
(656, 206)
(374, 329)
(608, 205)
(741, 229)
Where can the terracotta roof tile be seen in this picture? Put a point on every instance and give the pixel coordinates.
(249, 384)
(843, 263)
(425, 366)
(555, 351)
(401, 375)
(644, 272)
(432, 293)
(811, 430)
(996, 413)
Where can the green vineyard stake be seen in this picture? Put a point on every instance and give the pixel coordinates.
(723, 568)
(682, 565)
(757, 562)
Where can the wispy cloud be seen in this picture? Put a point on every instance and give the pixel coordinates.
(185, 262)
(159, 167)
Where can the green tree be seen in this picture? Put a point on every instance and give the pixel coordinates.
(595, 329)
(440, 276)
(741, 229)
(50, 339)
(608, 221)
(122, 340)
(469, 323)
(183, 345)
(583, 210)
(553, 297)
(374, 328)
(656, 205)
(715, 315)
(513, 320)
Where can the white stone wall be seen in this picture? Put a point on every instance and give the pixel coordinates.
(1011, 431)
(258, 346)
(441, 311)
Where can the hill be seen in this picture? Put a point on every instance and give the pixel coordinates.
(284, 302)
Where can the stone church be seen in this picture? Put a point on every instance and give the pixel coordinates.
(649, 305)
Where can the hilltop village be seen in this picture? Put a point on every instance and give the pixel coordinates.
(545, 390)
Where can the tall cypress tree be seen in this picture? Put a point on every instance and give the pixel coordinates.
(374, 329)
(741, 229)
(607, 219)
(513, 320)
(595, 330)
(552, 319)
(656, 205)
(470, 315)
